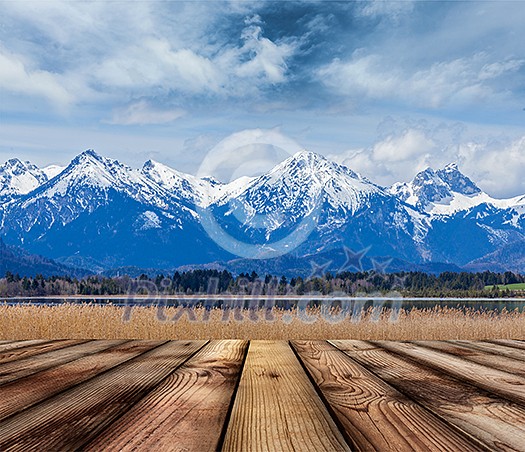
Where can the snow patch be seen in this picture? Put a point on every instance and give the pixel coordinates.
(149, 220)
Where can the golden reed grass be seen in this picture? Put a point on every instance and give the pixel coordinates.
(74, 321)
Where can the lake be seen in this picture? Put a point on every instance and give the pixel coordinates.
(496, 304)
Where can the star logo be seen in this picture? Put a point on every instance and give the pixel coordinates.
(381, 267)
(399, 282)
(354, 260)
(318, 270)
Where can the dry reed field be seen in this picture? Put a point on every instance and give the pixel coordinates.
(89, 321)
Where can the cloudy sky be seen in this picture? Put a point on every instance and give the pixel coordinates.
(388, 88)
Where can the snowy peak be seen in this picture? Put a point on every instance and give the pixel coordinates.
(444, 191)
(102, 209)
(184, 186)
(425, 189)
(305, 158)
(87, 183)
(94, 164)
(308, 166)
(199, 192)
(17, 167)
(170, 178)
(91, 169)
(88, 154)
(19, 178)
(53, 170)
(457, 181)
(307, 162)
(90, 158)
(88, 179)
(304, 180)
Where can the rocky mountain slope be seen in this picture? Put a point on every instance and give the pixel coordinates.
(99, 213)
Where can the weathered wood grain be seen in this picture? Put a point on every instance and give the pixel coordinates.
(23, 367)
(36, 349)
(159, 395)
(494, 349)
(13, 345)
(74, 417)
(276, 407)
(497, 423)
(188, 409)
(374, 414)
(28, 391)
(508, 342)
(511, 387)
(477, 356)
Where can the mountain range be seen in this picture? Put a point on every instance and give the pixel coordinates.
(18, 261)
(99, 214)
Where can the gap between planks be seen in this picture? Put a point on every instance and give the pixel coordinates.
(374, 414)
(496, 422)
(313, 396)
(76, 416)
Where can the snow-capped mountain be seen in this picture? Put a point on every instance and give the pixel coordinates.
(448, 191)
(82, 187)
(443, 191)
(100, 213)
(100, 209)
(195, 191)
(463, 221)
(301, 180)
(347, 208)
(52, 170)
(188, 187)
(19, 178)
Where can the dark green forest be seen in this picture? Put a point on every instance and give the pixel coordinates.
(417, 284)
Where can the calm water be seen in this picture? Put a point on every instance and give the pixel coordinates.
(510, 304)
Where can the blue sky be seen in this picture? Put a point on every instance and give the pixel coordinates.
(388, 88)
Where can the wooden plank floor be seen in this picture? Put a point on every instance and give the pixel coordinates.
(235, 395)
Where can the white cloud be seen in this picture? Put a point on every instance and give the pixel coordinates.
(390, 9)
(396, 157)
(361, 76)
(102, 52)
(142, 113)
(249, 152)
(17, 76)
(269, 58)
(154, 64)
(497, 166)
(494, 70)
(461, 81)
(410, 144)
(230, 70)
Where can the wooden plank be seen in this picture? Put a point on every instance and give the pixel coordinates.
(25, 392)
(277, 408)
(13, 345)
(75, 417)
(494, 349)
(375, 415)
(188, 409)
(509, 386)
(37, 349)
(23, 367)
(496, 422)
(509, 343)
(477, 356)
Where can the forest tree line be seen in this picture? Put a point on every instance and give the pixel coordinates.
(417, 284)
